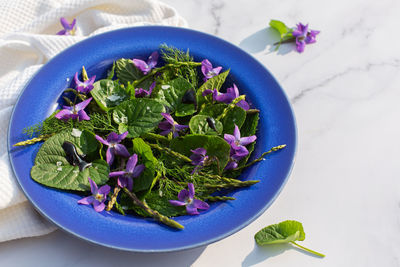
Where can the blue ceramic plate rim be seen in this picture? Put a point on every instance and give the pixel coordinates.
(143, 235)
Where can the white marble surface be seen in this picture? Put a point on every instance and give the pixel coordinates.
(345, 186)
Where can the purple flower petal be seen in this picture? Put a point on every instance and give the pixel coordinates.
(236, 132)
(231, 165)
(93, 186)
(138, 170)
(121, 150)
(65, 24)
(191, 190)
(229, 138)
(244, 141)
(177, 203)
(129, 183)
(199, 151)
(63, 114)
(165, 125)
(101, 140)
(86, 201)
(166, 132)
(191, 210)
(243, 104)
(62, 32)
(104, 190)
(116, 174)
(132, 161)
(169, 118)
(197, 203)
(183, 195)
(110, 155)
(152, 61)
(122, 181)
(300, 45)
(179, 127)
(141, 65)
(83, 104)
(207, 92)
(98, 206)
(82, 115)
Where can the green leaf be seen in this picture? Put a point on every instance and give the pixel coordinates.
(215, 146)
(126, 71)
(145, 155)
(138, 116)
(237, 116)
(170, 95)
(284, 232)
(111, 72)
(199, 125)
(52, 168)
(279, 26)
(215, 82)
(108, 94)
(184, 110)
(88, 142)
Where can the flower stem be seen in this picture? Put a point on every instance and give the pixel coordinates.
(156, 137)
(113, 198)
(308, 250)
(34, 140)
(231, 106)
(153, 213)
(171, 152)
(219, 198)
(276, 148)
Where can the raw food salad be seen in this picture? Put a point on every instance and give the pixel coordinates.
(159, 137)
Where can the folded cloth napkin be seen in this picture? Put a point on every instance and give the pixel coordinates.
(27, 41)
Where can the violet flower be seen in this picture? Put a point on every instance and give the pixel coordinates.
(74, 112)
(186, 198)
(235, 157)
(198, 158)
(140, 92)
(304, 36)
(146, 67)
(208, 70)
(85, 86)
(98, 197)
(169, 125)
(69, 29)
(227, 98)
(114, 147)
(238, 143)
(125, 178)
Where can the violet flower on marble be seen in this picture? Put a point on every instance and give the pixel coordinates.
(186, 198)
(125, 178)
(169, 125)
(85, 86)
(114, 147)
(238, 143)
(146, 67)
(227, 98)
(304, 36)
(69, 29)
(98, 197)
(208, 70)
(74, 112)
(140, 92)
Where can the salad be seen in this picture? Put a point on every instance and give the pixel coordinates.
(160, 136)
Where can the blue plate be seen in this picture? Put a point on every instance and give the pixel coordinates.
(277, 126)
